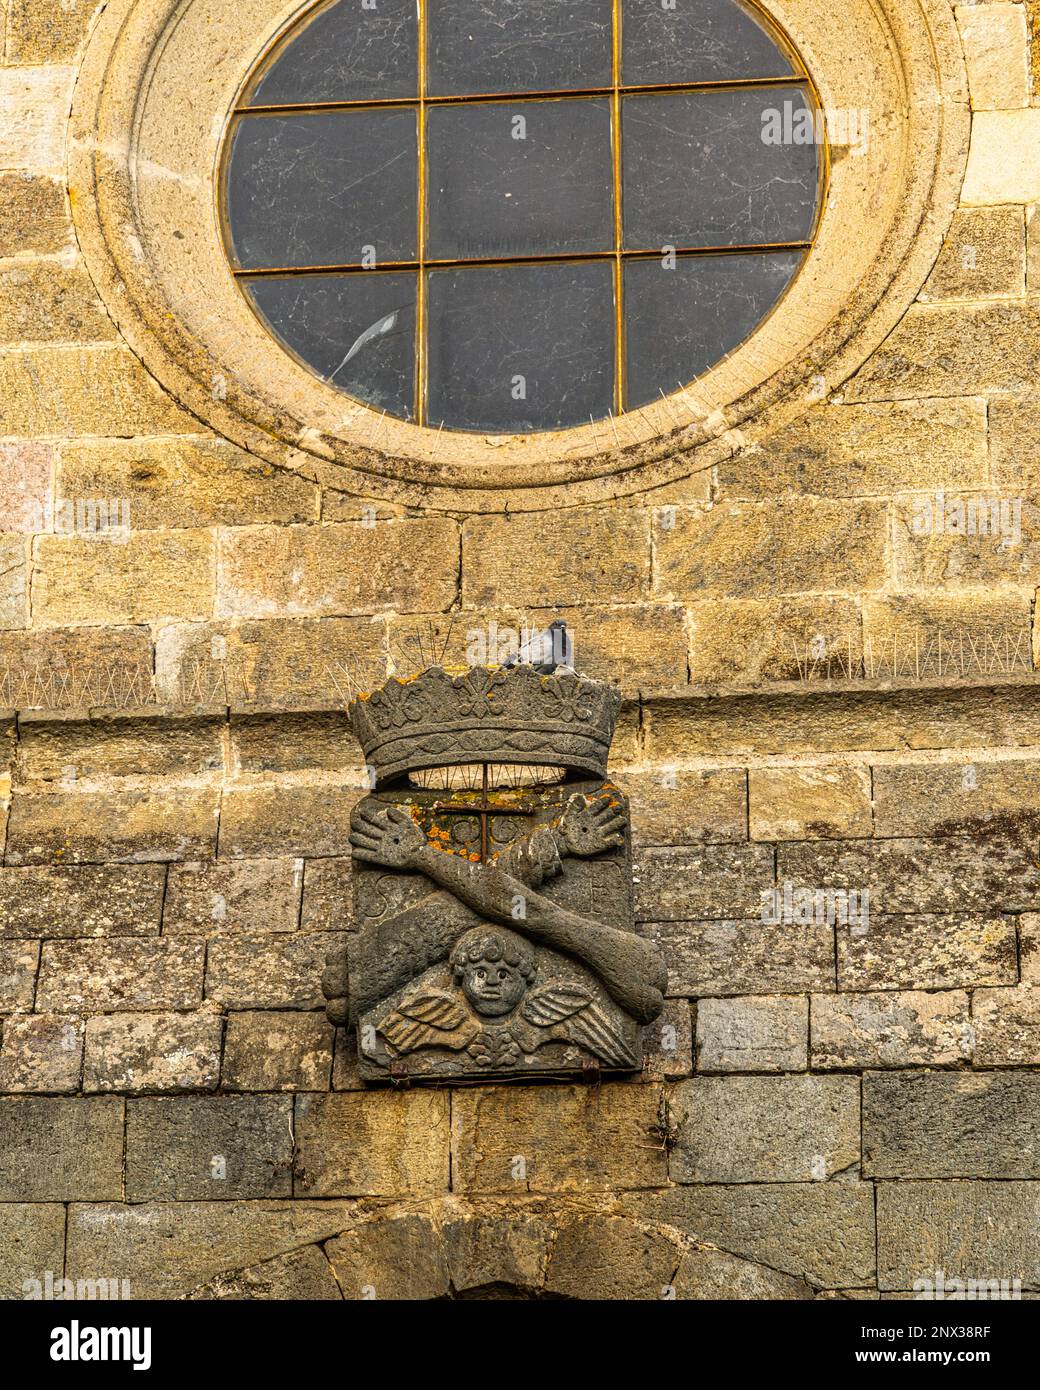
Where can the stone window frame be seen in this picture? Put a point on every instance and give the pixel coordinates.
(150, 110)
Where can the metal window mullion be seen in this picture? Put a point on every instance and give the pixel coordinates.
(421, 334)
(615, 151)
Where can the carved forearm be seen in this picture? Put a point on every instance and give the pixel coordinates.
(630, 968)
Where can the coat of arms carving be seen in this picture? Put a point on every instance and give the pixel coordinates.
(492, 883)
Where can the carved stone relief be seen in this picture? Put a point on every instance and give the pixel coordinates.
(495, 936)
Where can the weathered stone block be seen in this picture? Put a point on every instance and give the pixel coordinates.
(376, 1144)
(961, 350)
(397, 1257)
(996, 50)
(191, 1148)
(61, 1149)
(71, 392)
(584, 556)
(1014, 435)
(703, 881)
(253, 895)
(988, 873)
(931, 1125)
(496, 1244)
(84, 900)
(68, 668)
(302, 1275)
(19, 961)
(808, 803)
(898, 1029)
(130, 827)
(47, 31)
(970, 1230)
(279, 972)
(32, 1241)
(41, 1052)
(822, 1232)
(672, 806)
(927, 951)
(168, 1249)
(296, 571)
(1003, 162)
(278, 1052)
(762, 550)
(638, 646)
(1029, 948)
(153, 1052)
(668, 1041)
(711, 1275)
(144, 577)
(963, 798)
(33, 122)
(120, 973)
(747, 641)
(754, 1033)
(866, 450)
(976, 541)
(609, 1257)
(65, 752)
(275, 662)
(25, 486)
(346, 1074)
(564, 1138)
(328, 896)
(13, 586)
(737, 1129)
(185, 482)
(298, 742)
(947, 636)
(34, 218)
(1007, 1026)
(49, 302)
(744, 957)
(266, 822)
(983, 256)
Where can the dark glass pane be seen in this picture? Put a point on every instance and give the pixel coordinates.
(347, 53)
(517, 348)
(480, 46)
(680, 322)
(700, 168)
(320, 189)
(356, 331)
(697, 41)
(519, 178)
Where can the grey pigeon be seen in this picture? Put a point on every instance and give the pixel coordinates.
(547, 650)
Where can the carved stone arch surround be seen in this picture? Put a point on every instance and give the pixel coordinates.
(573, 1247)
(149, 116)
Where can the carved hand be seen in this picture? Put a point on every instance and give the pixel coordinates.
(590, 825)
(386, 836)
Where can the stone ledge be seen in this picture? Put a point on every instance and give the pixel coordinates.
(859, 703)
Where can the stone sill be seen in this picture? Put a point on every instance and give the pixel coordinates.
(691, 699)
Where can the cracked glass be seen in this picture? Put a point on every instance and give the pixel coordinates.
(513, 217)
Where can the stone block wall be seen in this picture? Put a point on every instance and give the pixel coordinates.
(831, 1104)
(821, 695)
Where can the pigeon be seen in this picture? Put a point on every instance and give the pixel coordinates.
(545, 651)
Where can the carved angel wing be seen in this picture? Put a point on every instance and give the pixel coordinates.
(584, 1021)
(554, 1002)
(595, 1029)
(418, 1021)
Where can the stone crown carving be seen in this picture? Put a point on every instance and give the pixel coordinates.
(486, 714)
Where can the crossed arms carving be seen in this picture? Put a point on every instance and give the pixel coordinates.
(504, 891)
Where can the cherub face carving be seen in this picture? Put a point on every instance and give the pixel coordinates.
(494, 968)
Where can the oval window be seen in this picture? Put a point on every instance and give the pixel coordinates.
(520, 215)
